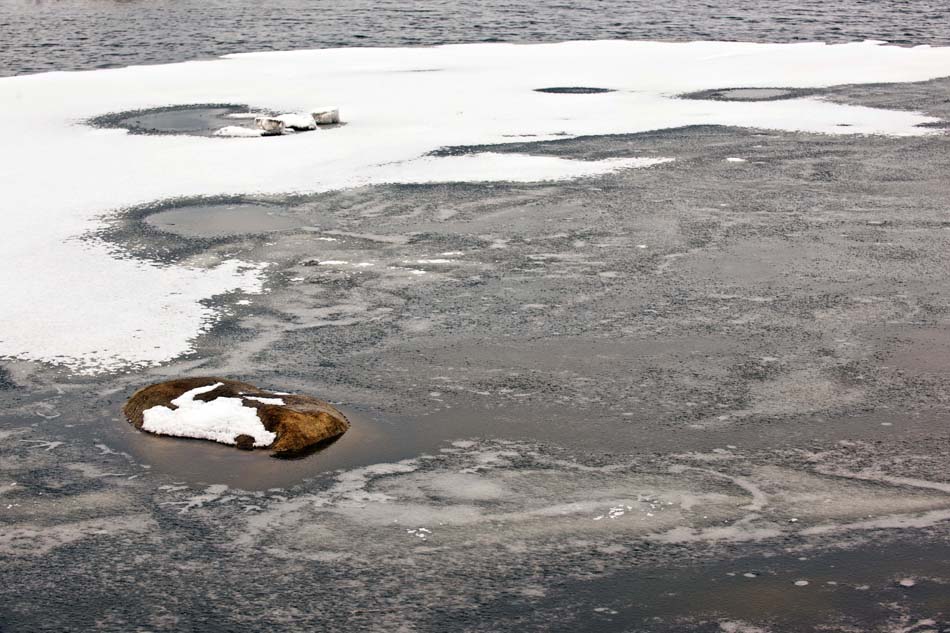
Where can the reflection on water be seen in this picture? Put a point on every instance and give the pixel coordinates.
(197, 461)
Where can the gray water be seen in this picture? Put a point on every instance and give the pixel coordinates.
(42, 35)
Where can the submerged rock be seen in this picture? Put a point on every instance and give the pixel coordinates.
(235, 413)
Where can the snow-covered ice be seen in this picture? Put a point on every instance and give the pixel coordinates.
(219, 420)
(325, 115)
(270, 125)
(236, 131)
(129, 312)
(297, 121)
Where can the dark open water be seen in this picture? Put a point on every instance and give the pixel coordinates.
(44, 35)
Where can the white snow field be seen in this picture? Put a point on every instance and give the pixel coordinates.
(79, 304)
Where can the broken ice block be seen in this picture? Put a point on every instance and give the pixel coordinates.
(325, 116)
(237, 131)
(297, 122)
(269, 126)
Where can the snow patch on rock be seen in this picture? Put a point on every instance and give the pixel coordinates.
(279, 401)
(219, 420)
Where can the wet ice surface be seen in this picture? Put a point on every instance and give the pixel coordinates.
(211, 220)
(573, 90)
(400, 140)
(683, 428)
(754, 94)
(196, 120)
(757, 94)
(481, 534)
(704, 396)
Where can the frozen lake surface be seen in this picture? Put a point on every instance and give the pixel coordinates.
(664, 350)
(462, 97)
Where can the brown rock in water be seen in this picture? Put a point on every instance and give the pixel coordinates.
(300, 423)
(244, 442)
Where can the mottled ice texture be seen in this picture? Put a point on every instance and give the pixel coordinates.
(478, 494)
(77, 303)
(219, 420)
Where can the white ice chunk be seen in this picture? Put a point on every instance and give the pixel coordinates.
(219, 420)
(269, 125)
(325, 115)
(236, 131)
(297, 121)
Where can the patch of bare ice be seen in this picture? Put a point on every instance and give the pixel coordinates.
(512, 493)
